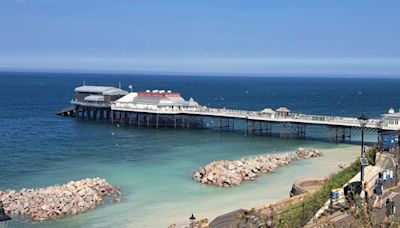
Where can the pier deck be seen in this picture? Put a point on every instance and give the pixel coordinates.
(334, 121)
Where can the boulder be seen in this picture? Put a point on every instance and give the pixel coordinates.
(55, 201)
(229, 173)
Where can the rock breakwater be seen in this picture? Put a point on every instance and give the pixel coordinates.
(56, 201)
(226, 173)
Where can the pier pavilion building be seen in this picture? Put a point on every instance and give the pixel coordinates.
(97, 95)
(160, 100)
(282, 112)
(391, 119)
(268, 112)
(93, 102)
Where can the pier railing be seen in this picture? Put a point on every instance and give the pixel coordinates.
(253, 115)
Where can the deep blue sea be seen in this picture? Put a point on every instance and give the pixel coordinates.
(153, 167)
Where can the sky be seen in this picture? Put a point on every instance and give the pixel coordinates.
(202, 36)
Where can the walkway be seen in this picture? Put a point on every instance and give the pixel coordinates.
(373, 124)
(344, 219)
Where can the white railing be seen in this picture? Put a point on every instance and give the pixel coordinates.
(252, 115)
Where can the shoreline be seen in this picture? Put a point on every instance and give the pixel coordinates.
(283, 195)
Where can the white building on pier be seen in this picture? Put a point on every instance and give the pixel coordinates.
(391, 119)
(159, 100)
(97, 95)
(268, 112)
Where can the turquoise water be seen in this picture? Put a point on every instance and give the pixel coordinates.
(158, 189)
(153, 167)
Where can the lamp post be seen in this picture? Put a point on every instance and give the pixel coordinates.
(363, 119)
(192, 218)
(4, 218)
(397, 158)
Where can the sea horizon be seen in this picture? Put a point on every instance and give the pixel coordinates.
(200, 74)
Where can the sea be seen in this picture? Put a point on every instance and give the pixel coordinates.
(153, 167)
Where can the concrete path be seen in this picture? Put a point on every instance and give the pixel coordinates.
(344, 219)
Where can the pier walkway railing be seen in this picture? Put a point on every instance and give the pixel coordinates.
(297, 118)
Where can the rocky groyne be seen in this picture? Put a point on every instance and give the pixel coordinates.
(57, 201)
(230, 173)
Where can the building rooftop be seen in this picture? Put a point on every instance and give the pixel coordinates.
(136, 98)
(268, 110)
(283, 109)
(104, 90)
(393, 115)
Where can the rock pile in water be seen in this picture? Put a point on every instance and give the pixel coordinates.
(230, 173)
(56, 201)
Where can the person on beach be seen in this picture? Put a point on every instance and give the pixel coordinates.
(390, 210)
(378, 190)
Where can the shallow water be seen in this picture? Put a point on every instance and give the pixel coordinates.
(158, 184)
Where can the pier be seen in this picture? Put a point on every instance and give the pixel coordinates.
(165, 109)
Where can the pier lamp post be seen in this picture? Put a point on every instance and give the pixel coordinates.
(192, 218)
(363, 119)
(4, 218)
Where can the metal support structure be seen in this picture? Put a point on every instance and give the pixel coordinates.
(252, 126)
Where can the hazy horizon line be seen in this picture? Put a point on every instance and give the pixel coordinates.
(206, 74)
